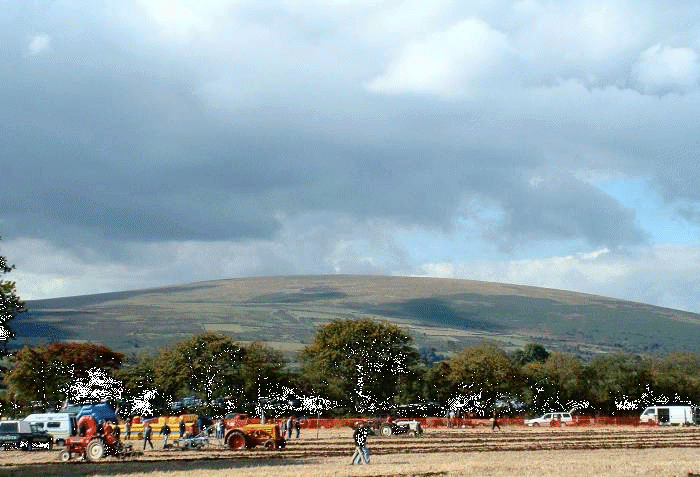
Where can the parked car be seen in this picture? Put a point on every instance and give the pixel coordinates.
(23, 435)
(545, 420)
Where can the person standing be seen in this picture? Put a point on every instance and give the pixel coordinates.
(182, 427)
(361, 454)
(494, 421)
(297, 427)
(147, 431)
(165, 432)
(222, 428)
(290, 425)
(116, 432)
(127, 427)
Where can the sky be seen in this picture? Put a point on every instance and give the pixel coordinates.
(151, 142)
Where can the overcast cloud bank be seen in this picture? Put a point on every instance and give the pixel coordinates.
(157, 142)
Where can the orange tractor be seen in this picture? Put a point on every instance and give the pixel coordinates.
(93, 442)
(240, 434)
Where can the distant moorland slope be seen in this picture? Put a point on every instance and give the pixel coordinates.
(285, 312)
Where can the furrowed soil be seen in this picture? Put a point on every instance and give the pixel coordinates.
(613, 451)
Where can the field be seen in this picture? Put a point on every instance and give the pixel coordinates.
(585, 451)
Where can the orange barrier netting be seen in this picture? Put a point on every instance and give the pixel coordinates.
(431, 422)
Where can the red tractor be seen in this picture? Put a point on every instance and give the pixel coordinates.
(94, 443)
(241, 435)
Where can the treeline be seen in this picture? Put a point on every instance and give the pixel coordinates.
(352, 366)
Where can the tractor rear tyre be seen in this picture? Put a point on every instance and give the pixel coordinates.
(269, 445)
(64, 456)
(237, 441)
(95, 450)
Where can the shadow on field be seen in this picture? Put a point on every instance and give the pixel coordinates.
(107, 468)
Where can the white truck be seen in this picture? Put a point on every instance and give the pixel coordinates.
(670, 415)
(60, 425)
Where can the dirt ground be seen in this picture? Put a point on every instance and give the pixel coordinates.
(516, 451)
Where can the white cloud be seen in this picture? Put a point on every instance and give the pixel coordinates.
(39, 43)
(448, 63)
(662, 69)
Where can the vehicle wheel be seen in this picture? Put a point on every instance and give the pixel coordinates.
(64, 456)
(412, 434)
(269, 445)
(237, 441)
(386, 431)
(95, 450)
(537, 424)
(283, 444)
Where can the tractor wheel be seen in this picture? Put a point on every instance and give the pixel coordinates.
(283, 444)
(64, 456)
(386, 431)
(237, 441)
(95, 450)
(537, 424)
(269, 445)
(412, 433)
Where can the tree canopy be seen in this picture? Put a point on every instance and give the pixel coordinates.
(358, 361)
(10, 303)
(208, 365)
(44, 374)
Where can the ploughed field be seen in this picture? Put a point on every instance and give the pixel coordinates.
(613, 451)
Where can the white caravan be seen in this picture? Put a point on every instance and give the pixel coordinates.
(61, 425)
(667, 415)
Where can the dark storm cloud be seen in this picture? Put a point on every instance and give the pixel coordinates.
(117, 134)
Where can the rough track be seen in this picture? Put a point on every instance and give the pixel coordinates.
(340, 444)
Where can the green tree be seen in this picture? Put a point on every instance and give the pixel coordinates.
(140, 391)
(31, 377)
(482, 374)
(358, 362)
(264, 371)
(10, 303)
(530, 354)
(554, 384)
(208, 365)
(43, 374)
(613, 380)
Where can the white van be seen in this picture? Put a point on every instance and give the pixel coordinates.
(667, 415)
(61, 425)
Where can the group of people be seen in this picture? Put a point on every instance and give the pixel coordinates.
(291, 424)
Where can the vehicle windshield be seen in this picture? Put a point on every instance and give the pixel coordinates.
(8, 427)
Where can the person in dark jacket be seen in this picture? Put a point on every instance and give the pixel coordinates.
(182, 427)
(494, 421)
(361, 454)
(127, 427)
(297, 427)
(165, 432)
(147, 432)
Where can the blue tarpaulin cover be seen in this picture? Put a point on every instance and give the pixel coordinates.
(100, 412)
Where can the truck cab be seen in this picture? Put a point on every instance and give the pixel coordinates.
(23, 435)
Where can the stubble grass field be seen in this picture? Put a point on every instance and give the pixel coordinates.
(514, 451)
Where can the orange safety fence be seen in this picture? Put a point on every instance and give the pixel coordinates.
(436, 422)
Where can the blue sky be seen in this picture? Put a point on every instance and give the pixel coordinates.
(153, 142)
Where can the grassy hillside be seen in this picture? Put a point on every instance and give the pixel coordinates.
(285, 312)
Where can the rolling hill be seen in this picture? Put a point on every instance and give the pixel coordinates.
(444, 314)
